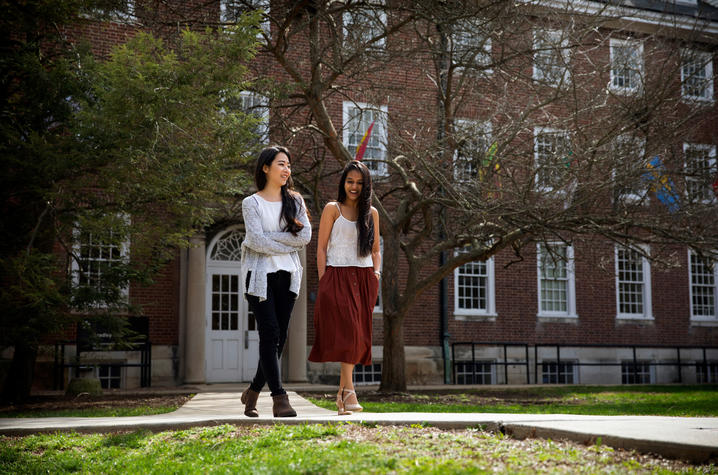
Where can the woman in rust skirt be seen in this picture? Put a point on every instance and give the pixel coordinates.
(349, 263)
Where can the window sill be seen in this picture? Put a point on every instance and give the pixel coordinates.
(475, 317)
(625, 91)
(697, 101)
(704, 322)
(557, 318)
(633, 319)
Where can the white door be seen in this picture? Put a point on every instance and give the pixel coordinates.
(232, 350)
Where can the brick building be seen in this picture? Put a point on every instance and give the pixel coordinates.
(599, 313)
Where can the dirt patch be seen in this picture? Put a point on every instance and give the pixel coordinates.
(58, 403)
(469, 399)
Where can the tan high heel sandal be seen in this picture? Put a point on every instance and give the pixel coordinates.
(341, 409)
(350, 407)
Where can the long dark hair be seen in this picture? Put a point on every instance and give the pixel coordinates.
(365, 222)
(290, 198)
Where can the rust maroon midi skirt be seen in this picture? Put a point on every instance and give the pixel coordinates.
(342, 315)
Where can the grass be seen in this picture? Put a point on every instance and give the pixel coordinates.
(344, 448)
(673, 400)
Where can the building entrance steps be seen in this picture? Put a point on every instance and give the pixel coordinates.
(688, 438)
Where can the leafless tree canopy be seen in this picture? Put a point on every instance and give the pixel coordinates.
(502, 123)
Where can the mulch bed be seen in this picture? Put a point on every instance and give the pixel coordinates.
(56, 403)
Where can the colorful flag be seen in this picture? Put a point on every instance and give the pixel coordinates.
(661, 184)
(364, 141)
(490, 154)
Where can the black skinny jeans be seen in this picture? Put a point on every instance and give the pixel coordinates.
(272, 317)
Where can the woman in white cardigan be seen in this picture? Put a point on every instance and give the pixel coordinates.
(276, 227)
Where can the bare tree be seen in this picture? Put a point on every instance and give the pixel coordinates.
(510, 123)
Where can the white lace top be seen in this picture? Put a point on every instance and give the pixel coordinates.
(342, 249)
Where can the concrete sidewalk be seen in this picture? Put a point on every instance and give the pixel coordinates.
(689, 438)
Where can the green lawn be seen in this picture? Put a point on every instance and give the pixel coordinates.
(668, 400)
(344, 448)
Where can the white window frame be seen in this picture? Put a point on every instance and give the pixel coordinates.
(640, 158)
(110, 378)
(539, 131)
(646, 286)
(467, 126)
(702, 318)
(639, 68)
(465, 374)
(75, 265)
(570, 282)
(690, 57)
(554, 39)
(350, 111)
(574, 371)
(490, 310)
(264, 5)
(651, 370)
(465, 38)
(711, 149)
(347, 19)
(373, 370)
(262, 107)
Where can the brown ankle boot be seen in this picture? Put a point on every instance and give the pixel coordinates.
(249, 399)
(281, 407)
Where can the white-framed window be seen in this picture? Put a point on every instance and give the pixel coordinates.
(704, 293)
(551, 57)
(552, 152)
(379, 306)
(95, 254)
(475, 372)
(629, 156)
(370, 374)
(633, 284)
(231, 10)
(639, 372)
(556, 280)
(471, 46)
(706, 372)
(701, 172)
(257, 105)
(357, 119)
(554, 372)
(626, 66)
(474, 289)
(697, 75)
(365, 25)
(110, 376)
(252, 103)
(473, 139)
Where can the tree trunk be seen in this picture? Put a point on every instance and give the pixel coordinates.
(19, 379)
(393, 372)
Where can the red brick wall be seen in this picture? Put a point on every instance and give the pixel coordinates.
(411, 101)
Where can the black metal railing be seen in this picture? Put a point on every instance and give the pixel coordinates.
(634, 363)
(678, 363)
(505, 363)
(78, 362)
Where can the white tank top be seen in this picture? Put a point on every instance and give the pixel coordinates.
(271, 211)
(342, 249)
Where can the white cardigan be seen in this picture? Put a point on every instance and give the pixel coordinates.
(258, 245)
